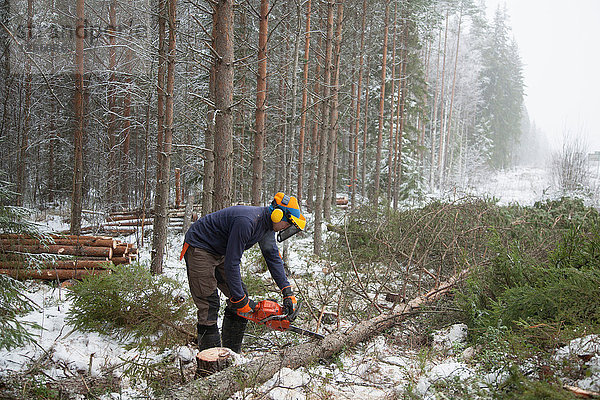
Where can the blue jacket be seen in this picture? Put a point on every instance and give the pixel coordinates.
(230, 231)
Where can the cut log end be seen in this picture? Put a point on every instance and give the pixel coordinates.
(213, 360)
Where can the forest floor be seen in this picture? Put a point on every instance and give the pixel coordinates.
(411, 361)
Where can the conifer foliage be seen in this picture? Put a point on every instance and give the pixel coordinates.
(502, 88)
(130, 303)
(13, 302)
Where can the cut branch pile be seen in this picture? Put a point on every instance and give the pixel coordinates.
(62, 257)
(132, 221)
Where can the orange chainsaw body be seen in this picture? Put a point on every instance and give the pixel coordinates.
(271, 314)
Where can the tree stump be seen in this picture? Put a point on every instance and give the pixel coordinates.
(213, 360)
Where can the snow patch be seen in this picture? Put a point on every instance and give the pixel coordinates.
(587, 347)
(450, 338)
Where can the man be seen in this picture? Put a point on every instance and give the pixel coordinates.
(213, 249)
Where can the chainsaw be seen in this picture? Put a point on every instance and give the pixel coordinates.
(272, 315)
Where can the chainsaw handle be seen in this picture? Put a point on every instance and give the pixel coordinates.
(291, 317)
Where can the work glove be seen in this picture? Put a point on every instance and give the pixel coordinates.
(243, 307)
(289, 303)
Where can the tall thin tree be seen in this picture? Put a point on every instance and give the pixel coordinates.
(161, 203)
(361, 56)
(223, 103)
(332, 126)
(375, 194)
(77, 197)
(261, 104)
(323, 148)
(304, 109)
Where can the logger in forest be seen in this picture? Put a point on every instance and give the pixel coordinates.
(213, 249)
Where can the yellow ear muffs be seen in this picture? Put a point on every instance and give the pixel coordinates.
(277, 215)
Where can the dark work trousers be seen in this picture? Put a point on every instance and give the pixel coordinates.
(206, 273)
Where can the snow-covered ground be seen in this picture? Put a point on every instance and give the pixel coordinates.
(373, 370)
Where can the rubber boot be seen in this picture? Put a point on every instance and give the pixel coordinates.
(233, 330)
(208, 336)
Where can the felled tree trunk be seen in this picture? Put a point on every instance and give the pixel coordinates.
(223, 384)
(51, 274)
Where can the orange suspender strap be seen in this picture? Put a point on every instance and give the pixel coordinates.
(185, 247)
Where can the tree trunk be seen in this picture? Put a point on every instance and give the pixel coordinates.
(188, 216)
(325, 109)
(282, 138)
(224, 384)
(22, 159)
(434, 117)
(77, 197)
(402, 92)
(365, 128)
(125, 174)
(450, 108)
(209, 139)
(392, 92)
(91, 251)
(304, 110)
(112, 176)
(223, 103)
(422, 119)
(314, 142)
(261, 104)
(161, 203)
(441, 144)
(213, 360)
(361, 53)
(51, 274)
(330, 186)
(375, 194)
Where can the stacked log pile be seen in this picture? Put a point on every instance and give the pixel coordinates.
(133, 221)
(63, 256)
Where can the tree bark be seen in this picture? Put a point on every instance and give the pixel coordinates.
(434, 117)
(442, 144)
(213, 360)
(392, 92)
(314, 141)
(451, 107)
(375, 194)
(161, 203)
(90, 251)
(361, 56)
(330, 187)
(23, 145)
(223, 103)
(261, 104)
(69, 264)
(365, 129)
(77, 196)
(224, 384)
(304, 110)
(51, 274)
(401, 114)
(323, 148)
(113, 173)
(209, 139)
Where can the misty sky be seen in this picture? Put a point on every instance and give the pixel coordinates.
(559, 46)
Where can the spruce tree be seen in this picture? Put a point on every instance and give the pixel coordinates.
(501, 85)
(12, 301)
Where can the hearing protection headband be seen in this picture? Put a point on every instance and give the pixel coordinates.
(278, 214)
